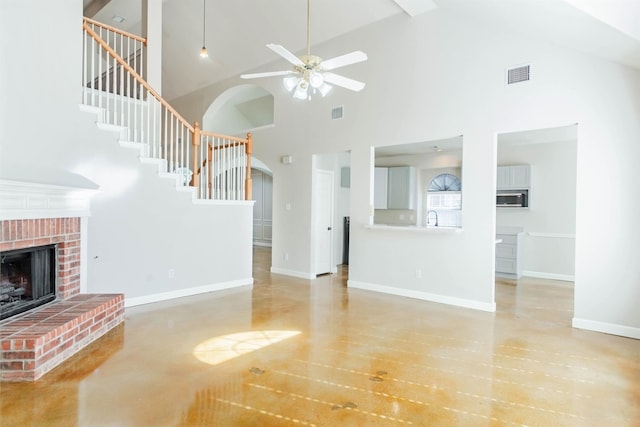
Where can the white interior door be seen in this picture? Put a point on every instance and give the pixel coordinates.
(323, 195)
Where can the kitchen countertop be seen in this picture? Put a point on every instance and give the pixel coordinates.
(414, 228)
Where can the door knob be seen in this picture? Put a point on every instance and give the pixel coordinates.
(329, 228)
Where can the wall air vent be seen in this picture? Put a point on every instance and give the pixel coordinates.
(518, 74)
(337, 112)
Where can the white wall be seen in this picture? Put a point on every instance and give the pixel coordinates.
(437, 75)
(550, 220)
(140, 227)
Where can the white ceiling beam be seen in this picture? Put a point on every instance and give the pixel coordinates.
(623, 15)
(92, 7)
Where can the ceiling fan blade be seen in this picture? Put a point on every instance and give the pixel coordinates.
(282, 51)
(267, 74)
(344, 82)
(342, 60)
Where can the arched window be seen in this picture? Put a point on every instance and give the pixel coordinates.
(445, 182)
(444, 201)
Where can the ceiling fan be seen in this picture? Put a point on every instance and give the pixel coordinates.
(311, 74)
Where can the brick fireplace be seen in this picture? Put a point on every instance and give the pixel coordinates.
(38, 340)
(62, 232)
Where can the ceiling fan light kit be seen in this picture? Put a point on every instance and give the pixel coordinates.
(301, 91)
(310, 74)
(290, 82)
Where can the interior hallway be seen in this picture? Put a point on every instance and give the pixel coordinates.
(347, 357)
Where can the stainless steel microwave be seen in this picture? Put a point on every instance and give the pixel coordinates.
(512, 198)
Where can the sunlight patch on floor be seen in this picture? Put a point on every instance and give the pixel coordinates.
(220, 349)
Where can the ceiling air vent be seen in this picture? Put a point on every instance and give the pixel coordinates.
(518, 74)
(337, 112)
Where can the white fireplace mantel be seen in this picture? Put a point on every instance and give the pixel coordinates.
(29, 200)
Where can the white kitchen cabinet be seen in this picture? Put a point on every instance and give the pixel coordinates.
(401, 190)
(509, 255)
(516, 177)
(503, 177)
(394, 187)
(380, 184)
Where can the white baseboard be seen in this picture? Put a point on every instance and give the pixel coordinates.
(607, 328)
(293, 273)
(552, 276)
(443, 299)
(164, 296)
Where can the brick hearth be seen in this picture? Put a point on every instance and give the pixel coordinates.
(35, 342)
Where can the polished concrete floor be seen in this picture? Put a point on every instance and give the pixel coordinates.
(294, 352)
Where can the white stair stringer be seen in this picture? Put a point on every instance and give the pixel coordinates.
(178, 180)
(161, 163)
(123, 132)
(99, 112)
(140, 146)
(93, 110)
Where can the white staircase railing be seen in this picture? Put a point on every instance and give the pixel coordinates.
(218, 166)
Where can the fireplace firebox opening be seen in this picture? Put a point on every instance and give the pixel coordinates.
(27, 279)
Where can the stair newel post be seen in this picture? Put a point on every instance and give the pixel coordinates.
(195, 142)
(248, 183)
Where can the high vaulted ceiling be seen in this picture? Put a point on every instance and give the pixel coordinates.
(237, 31)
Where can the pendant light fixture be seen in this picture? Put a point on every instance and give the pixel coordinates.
(203, 51)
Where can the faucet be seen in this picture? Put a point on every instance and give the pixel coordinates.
(429, 217)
